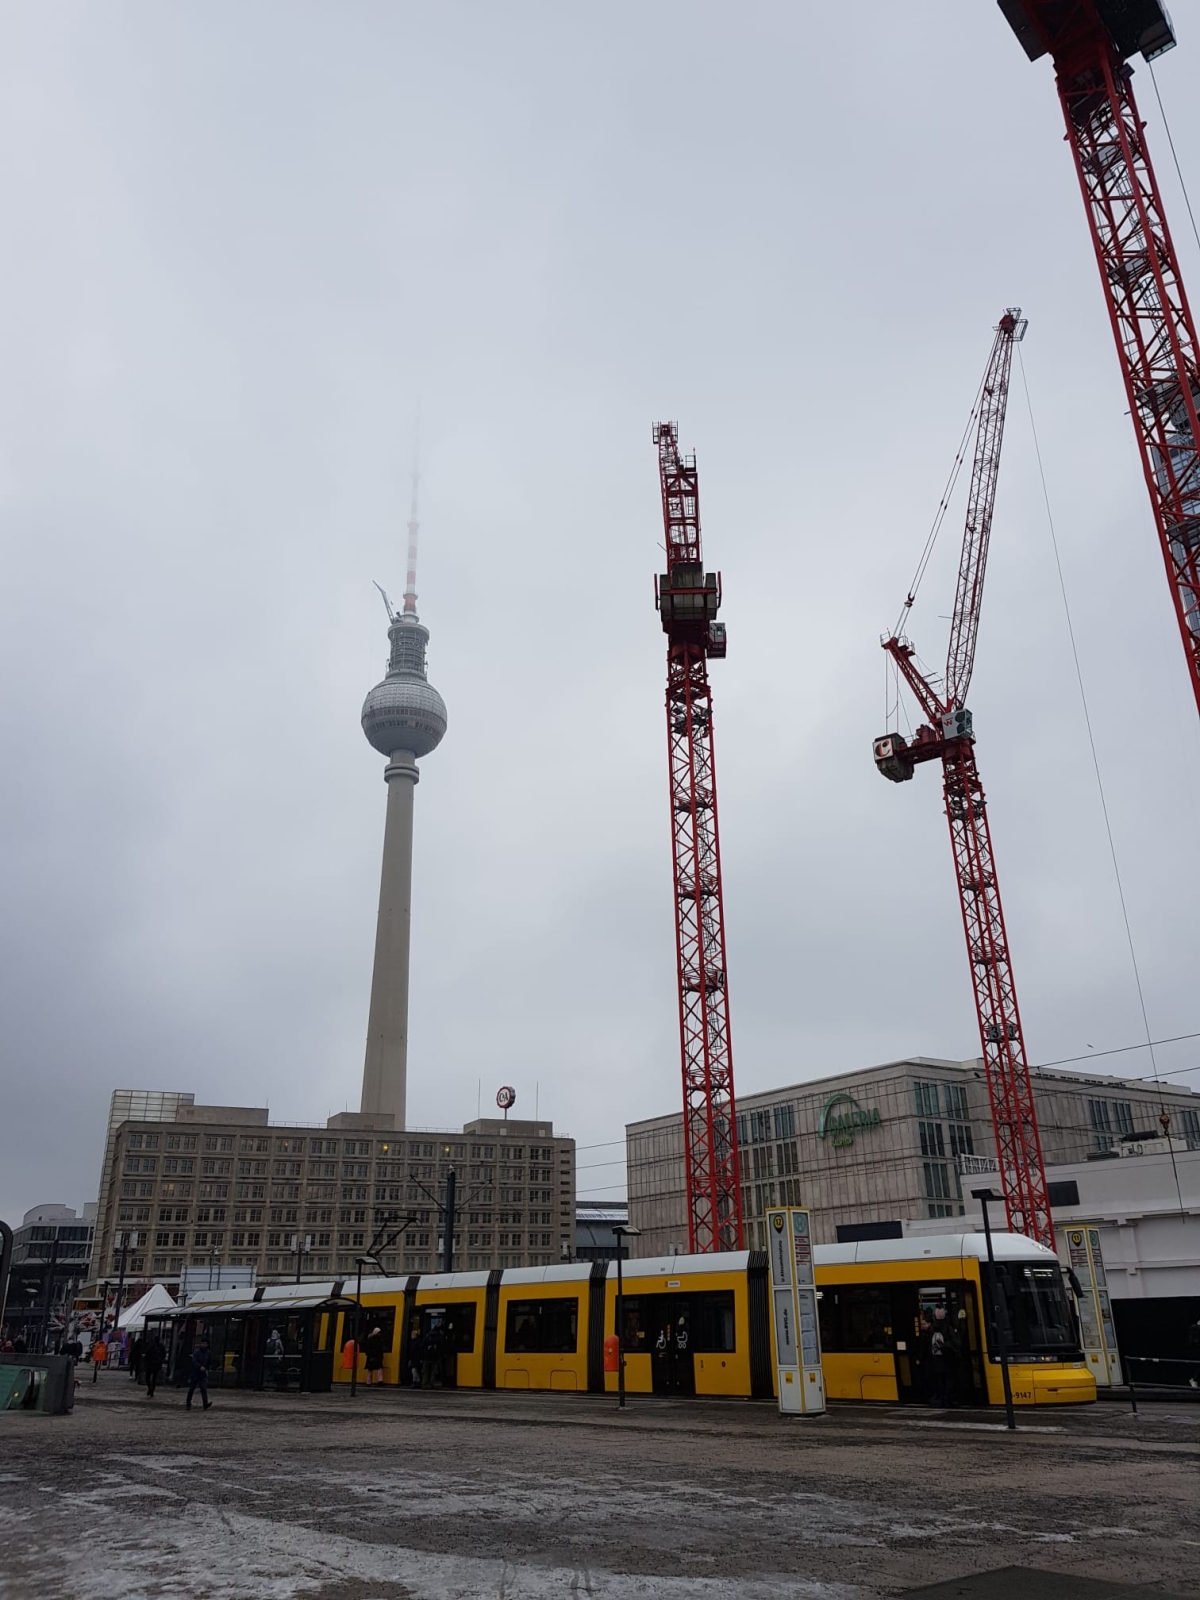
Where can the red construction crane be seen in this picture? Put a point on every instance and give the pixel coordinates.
(1090, 42)
(687, 598)
(949, 735)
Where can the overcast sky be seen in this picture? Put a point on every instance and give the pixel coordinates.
(241, 241)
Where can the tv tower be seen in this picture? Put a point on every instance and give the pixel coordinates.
(404, 718)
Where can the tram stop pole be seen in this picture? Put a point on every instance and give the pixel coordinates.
(623, 1231)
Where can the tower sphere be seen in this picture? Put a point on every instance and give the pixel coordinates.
(404, 714)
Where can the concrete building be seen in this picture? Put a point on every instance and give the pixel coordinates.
(130, 1105)
(594, 1223)
(404, 718)
(221, 1186)
(884, 1145)
(51, 1252)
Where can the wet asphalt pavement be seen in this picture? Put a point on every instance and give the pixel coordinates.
(448, 1496)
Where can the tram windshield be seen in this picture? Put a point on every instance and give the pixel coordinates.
(1040, 1320)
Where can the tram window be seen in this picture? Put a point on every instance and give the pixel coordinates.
(707, 1318)
(633, 1331)
(856, 1316)
(1039, 1312)
(547, 1327)
(712, 1320)
(454, 1324)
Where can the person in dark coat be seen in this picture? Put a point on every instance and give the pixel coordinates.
(135, 1357)
(153, 1356)
(373, 1350)
(198, 1376)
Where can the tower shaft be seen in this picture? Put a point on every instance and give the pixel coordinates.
(385, 1069)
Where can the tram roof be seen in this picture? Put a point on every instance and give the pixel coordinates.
(934, 1246)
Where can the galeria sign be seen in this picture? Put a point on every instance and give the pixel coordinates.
(841, 1116)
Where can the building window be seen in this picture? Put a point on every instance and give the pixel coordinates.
(937, 1181)
(762, 1161)
(1101, 1124)
(939, 1209)
(1189, 1124)
(1123, 1117)
(955, 1098)
(927, 1099)
(788, 1159)
(961, 1141)
(785, 1121)
(931, 1139)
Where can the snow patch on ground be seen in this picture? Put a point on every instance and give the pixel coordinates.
(234, 1556)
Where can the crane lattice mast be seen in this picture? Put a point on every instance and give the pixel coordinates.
(1090, 42)
(688, 599)
(949, 734)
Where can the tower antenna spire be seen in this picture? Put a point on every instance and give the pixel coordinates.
(410, 581)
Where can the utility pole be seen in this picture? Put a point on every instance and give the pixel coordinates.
(301, 1245)
(448, 1224)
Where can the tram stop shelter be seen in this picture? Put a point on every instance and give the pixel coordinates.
(239, 1333)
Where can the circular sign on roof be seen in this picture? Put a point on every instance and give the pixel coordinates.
(506, 1097)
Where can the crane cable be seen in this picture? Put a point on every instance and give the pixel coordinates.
(1187, 199)
(1112, 848)
(940, 514)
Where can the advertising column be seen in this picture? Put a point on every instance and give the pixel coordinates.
(800, 1379)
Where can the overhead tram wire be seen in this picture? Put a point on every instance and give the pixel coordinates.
(1087, 717)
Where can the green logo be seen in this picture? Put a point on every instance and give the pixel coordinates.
(838, 1126)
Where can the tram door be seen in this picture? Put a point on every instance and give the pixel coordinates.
(912, 1305)
(672, 1367)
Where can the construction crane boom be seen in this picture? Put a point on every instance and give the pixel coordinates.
(1090, 43)
(688, 599)
(949, 735)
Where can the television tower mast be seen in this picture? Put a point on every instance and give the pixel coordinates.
(404, 718)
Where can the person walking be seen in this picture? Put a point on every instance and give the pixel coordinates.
(373, 1350)
(198, 1376)
(153, 1356)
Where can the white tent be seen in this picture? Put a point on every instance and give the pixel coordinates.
(155, 1299)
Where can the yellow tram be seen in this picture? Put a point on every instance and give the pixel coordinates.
(688, 1324)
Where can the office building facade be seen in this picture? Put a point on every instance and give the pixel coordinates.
(888, 1144)
(222, 1186)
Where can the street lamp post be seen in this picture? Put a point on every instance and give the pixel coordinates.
(998, 1301)
(623, 1231)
